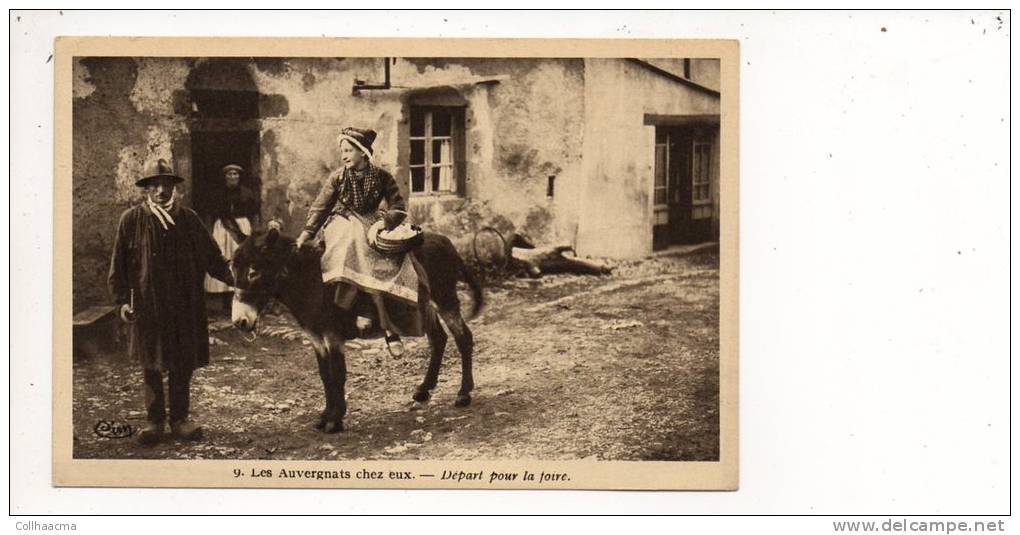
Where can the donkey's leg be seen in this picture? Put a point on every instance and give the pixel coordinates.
(465, 344)
(337, 369)
(322, 359)
(437, 342)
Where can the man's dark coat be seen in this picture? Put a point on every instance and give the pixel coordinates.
(166, 268)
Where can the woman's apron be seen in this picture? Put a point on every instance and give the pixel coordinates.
(227, 246)
(351, 261)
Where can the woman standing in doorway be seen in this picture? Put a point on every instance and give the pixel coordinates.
(236, 214)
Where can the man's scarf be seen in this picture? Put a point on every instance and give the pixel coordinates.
(360, 189)
(162, 212)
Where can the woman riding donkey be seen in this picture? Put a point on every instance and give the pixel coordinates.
(347, 210)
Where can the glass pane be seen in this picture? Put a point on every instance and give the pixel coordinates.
(441, 123)
(417, 152)
(660, 135)
(437, 173)
(417, 179)
(660, 165)
(696, 167)
(660, 196)
(702, 159)
(441, 151)
(417, 123)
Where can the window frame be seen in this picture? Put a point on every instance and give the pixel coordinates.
(706, 183)
(428, 139)
(656, 188)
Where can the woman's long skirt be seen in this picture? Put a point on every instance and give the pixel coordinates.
(390, 280)
(227, 247)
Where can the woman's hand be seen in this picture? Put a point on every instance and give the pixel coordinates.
(392, 218)
(373, 231)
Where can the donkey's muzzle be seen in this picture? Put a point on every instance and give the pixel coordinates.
(243, 315)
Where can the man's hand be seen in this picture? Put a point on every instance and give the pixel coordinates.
(233, 229)
(302, 238)
(127, 314)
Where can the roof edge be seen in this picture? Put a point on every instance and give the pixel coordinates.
(679, 79)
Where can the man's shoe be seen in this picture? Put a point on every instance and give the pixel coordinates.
(186, 430)
(395, 346)
(150, 435)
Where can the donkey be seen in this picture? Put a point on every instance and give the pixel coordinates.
(267, 266)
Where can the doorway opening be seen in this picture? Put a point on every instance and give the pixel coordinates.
(225, 129)
(685, 183)
(210, 151)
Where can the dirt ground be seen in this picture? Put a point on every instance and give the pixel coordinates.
(621, 367)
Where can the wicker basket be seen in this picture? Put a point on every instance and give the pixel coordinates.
(391, 246)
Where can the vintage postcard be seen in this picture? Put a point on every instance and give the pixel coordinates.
(410, 263)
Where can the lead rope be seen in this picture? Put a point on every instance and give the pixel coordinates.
(254, 331)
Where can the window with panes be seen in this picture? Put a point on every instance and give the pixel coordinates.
(436, 137)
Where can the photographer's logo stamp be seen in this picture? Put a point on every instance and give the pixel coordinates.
(109, 429)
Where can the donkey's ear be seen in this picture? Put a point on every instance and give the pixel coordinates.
(271, 236)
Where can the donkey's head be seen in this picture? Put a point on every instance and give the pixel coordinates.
(259, 266)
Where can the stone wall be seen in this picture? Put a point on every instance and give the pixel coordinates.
(523, 124)
(574, 124)
(122, 118)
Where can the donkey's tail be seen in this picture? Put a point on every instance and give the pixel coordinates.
(477, 297)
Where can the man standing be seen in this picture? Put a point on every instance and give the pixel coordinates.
(160, 259)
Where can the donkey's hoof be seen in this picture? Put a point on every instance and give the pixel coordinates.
(332, 427)
(421, 395)
(463, 400)
(418, 406)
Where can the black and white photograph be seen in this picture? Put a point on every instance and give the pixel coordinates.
(396, 258)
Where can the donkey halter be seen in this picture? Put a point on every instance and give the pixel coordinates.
(267, 295)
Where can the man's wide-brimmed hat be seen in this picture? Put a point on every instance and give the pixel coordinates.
(157, 169)
(362, 138)
(232, 167)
